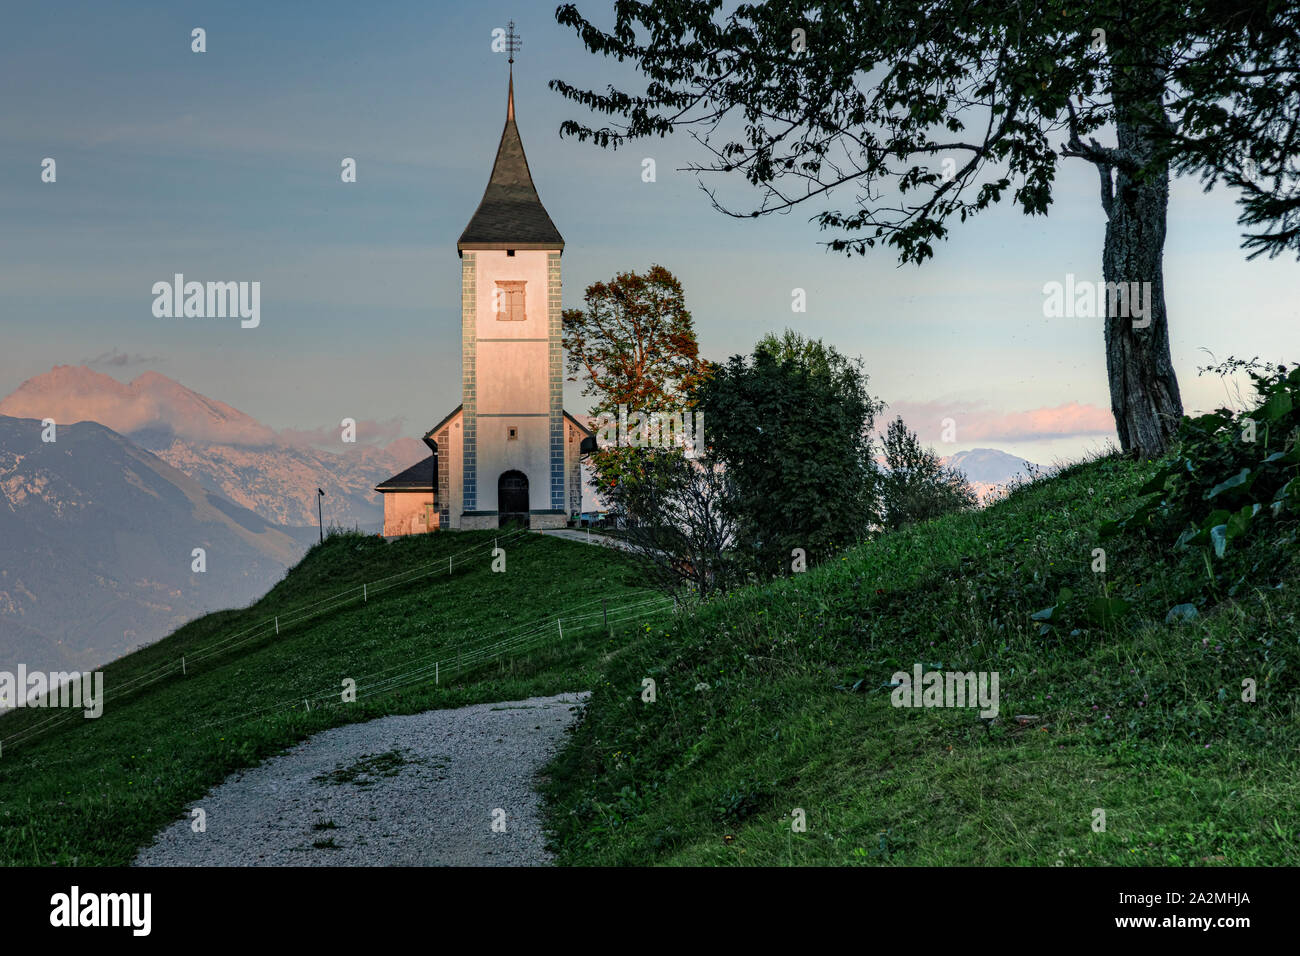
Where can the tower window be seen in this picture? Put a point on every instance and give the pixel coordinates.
(509, 301)
(510, 252)
(512, 433)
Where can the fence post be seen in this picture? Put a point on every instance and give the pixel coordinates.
(277, 624)
(365, 593)
(557, 624)
(435, 672)
(183, 671)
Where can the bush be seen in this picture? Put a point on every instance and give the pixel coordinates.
(791, 425)
(1231, 483)
(916, 486)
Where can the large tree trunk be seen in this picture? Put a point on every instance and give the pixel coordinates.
(1144, 394)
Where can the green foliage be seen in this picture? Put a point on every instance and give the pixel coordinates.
(1231, 491)
(634, 343)
(915, 486)
(791, 425)
(870, 106)
(671, 514)
(1125, 711)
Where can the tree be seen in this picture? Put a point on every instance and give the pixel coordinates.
(954, 103)
(915, 485)
(634, 341)
(1251, 62)
(635, 345)
(675, 519)
(792, 426)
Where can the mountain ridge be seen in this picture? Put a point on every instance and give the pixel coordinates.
(224, 449)
(97, 542)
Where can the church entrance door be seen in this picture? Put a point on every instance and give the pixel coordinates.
(512, 498)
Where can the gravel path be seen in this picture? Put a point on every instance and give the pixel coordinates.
(429, 789)
(579, 534)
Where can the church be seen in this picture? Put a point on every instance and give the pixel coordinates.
(509, 452)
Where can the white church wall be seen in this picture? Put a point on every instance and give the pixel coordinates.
(529, 453)
(526, 265)
(405, 512)
(512, 378)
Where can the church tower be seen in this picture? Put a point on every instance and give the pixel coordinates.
(513, 454)
(510, 452)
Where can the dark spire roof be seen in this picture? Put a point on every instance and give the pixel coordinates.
(511, 215)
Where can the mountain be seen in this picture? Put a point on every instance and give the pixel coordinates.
(987, 468)
(280, 482)
(226, 451)
(96, 547)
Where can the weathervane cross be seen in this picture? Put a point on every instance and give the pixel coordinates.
(513, 43)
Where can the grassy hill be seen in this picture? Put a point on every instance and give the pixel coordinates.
(774, 699)
(769, 700)
(89, 792)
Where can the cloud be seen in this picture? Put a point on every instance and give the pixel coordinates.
(153, 402)
(975, 422)
(330, 437)
(150, 402)
(116, 359)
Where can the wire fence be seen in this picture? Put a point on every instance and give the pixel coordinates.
(436, 666)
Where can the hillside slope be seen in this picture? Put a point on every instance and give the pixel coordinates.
(91, 791)
(774, 704)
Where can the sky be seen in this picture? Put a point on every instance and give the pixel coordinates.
(225, 165)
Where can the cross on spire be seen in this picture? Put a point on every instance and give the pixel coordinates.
(513, 42)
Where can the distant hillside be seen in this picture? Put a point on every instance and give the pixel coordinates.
(279, 482)
(222, 448)
(96, 542)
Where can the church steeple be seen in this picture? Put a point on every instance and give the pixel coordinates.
(511, 214)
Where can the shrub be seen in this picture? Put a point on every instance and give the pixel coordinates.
(1232, 481)
(916, 486)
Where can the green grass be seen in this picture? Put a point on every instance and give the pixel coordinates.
(769, 700)
(90, 792)
(1133, 716)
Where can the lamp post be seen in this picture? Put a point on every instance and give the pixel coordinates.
(319, 519)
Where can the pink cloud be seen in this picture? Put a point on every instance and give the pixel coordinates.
(153, 401)
(977, 423)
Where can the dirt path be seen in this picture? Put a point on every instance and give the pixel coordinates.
(440, 788)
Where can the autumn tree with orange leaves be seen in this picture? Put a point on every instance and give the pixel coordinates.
(634, 343)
